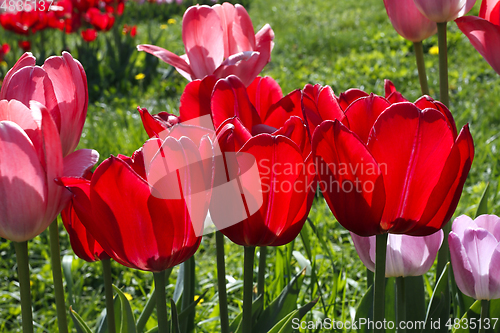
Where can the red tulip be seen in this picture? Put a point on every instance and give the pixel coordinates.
(89, 35)
(25, 45)
(395, 169)
(100, 21)
(143, 215)
(264, 190)
(4, 49)
(484, 31)
(31, 155)
(219, 40)
(60, 84)
(82, 242)
(408, 21)
(444, 10)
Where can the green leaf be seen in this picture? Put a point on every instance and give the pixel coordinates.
(175, 318)
(257, 304)
(482, 208)
(390, 302)
(286, 324)
(190, 309)
(439, 305)
(80, 325)
(66, 262)
(124, 318)
(415, 298)
(285, 303)
(365, 309)
(474, 314)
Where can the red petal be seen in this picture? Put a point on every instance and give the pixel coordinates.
(363, 113)
(196, 98)
(264, 92)
(349, 96)
(319, 104)
(280, 112)
(425, 102)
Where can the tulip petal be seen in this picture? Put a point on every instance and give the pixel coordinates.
(264, 92)
(490, 223)
(462, 269)
(29, 120)
(363, 113)
(484, 36)
(280, 112)
(363, 246)
(196, 98)
(319, 104)
(391, 93)
(22, 186)
(462, 223)
(424, 142)
(408, 21)
(490, 11)
(295, 130)
(202, 35)
(26, 60)
(349, 96)
(152, 126)
(350, 178)
(79, 162)
(426, 102)
(168, 57)
(494, 274)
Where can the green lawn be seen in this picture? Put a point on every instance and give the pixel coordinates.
(343, 44)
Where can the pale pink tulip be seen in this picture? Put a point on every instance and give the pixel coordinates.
(406, 255)
(30, 159)
(408, 21)
(219, 40)
(475, 255)
(484, 31)
(444, 10)
(60, 85)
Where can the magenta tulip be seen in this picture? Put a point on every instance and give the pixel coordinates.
(484, 31)
(219, 40)
(31, 155)
(60, 84)
(444, 10)
(475, 255)
(406, 255)
(408, 21)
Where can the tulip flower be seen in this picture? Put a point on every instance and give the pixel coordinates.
(393, 169)
(408, 21)
(406, 255)
(60, 84)
(219, 40)
(31, 155)
(4, 49)
(89, 35)
(444, 10)
(143, 216)
(484, 31)
(475, 255)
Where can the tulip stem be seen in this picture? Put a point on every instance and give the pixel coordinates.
(161, 302)
(443, 65)
(150, 305)
(401, 302)
(248, 288)
(485, 305)
(422, 75)
(261, 281)
(221, 281)
(379, 286)
(443, 254)
(108, 289)
(23, 271)
(55, 258)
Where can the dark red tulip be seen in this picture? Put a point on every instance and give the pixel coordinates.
(4, 49)
(25, 45)
(89, 35)
(407, 175)
(264, 187)
(143, 215)
(82, 242)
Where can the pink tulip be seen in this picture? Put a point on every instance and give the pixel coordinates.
(406, 255)
(60, 84)
(408, 21)
(484, 31)
(475, 255)
(444, 10)
(219, 40)
(31, 158)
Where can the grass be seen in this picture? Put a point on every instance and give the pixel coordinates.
(343, 44)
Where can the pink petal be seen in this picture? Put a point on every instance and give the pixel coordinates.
(26, 60)
(494, 274)
(462, 269)
(490, 11)
(408, 21)
(79, 162)
(168, 57)
(491, 223)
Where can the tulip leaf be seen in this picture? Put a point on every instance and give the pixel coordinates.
(469, 322)
(124, 318)
(365, 309)
(286, 325)
(257, 305)
(66, 263)
(281, 306)
(415, 298)
(190, 309)
(179, 284)
(482, 208)
(174, 318)
(80, 325)
(438, 311)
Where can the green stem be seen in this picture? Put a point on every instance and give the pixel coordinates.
(150, 306)
(248, 288)
(23, 270)
(443, 65)
(108, 289)
(55, 257)
(443, 253)
(161, 302)
(379, 287)
(369, 278)
(485, 304)
(422, 75)
(221, 280)
(261, 280)
(188, 294)
(401, 302)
